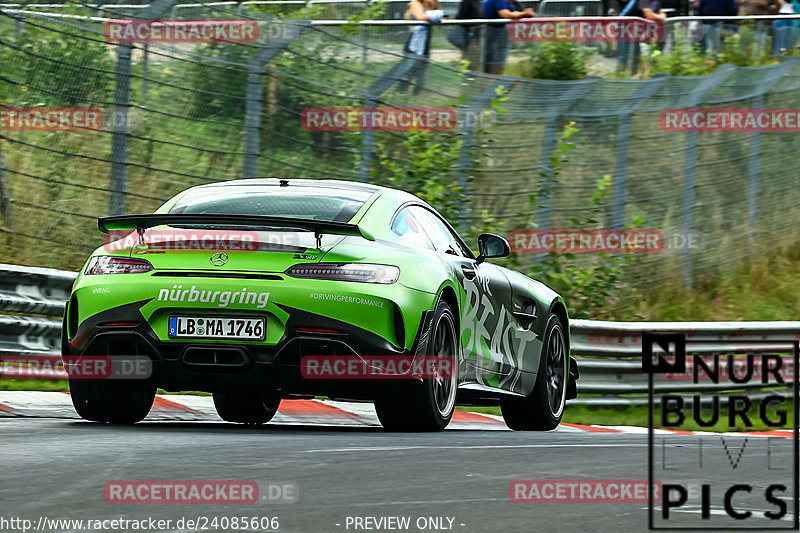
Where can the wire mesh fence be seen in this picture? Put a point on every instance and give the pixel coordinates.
(181, 114)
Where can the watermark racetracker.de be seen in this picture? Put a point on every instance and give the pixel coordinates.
(148, 523)
(574, 241)
(51, 119)
(396, 119)
(586, 30)
(580, 491)
(377, 367)
(156, 241)
(205, 492)
(180, 31)
(92, 367)
(723, 120)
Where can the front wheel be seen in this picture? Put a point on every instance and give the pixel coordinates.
(543, 409)
(427, 405)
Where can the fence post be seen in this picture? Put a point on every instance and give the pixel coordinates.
(122, 102)
(466, 155)
(645, 90)
(754, 161)
(549, 143)
(145, 72)
(372, 97)
(5, 193)
(255, 92)
(621, 172)
(252, 120)
(753, 178)
(366, 44)
(569, 93)
(689, 198)
(696, 97)
(121, 130)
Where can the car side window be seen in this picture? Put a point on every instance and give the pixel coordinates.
(406, 226)
(439, 233)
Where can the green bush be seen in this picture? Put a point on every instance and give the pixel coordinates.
(743, 48)
(685, 59)
(558, 61)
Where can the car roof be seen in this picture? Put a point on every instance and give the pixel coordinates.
(332, 185)
(325, 186)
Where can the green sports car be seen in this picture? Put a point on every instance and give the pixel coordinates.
(236, 288)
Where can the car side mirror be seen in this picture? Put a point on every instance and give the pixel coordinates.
(492, 246)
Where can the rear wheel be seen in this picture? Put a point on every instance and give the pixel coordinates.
(115, 402)
(246, 408)
(427, 405)
(543, 409)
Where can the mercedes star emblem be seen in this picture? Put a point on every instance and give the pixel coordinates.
(218, 259)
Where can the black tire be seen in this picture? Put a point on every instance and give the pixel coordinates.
(427, 405)
(543, 408)
(115, 402)
(246, 408)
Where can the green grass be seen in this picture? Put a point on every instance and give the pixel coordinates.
(190, 392)
(62, 385)
(765, 289)
(638, 416)
(52, 385)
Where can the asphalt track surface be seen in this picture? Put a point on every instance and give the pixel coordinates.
(57, 468)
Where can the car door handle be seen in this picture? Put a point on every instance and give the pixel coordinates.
(468, 271)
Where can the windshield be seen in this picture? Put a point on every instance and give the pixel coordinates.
(330, 205)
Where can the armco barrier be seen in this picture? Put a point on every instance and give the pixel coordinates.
(608, 353)
(26, 291)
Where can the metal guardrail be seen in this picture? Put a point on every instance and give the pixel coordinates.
(608, 353)
(26, 291)
(29, 9)
(570, 8)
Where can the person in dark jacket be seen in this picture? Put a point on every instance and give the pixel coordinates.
(470, 9)
(712, 29)
(628, 52)
(495, 51)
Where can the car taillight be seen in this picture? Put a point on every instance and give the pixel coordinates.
(363, 273)
(117, 265)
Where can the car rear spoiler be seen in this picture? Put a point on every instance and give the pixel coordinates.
(142, 222)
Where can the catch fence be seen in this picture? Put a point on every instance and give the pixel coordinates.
(177, 115)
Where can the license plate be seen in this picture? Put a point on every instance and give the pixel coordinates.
(205, 327)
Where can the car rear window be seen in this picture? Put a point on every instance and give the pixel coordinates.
(331, 205)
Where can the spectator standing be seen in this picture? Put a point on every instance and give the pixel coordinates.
(496, 44)
(629, 52)
(712, 29)
(418, 43)
(783, 29)
(470, 9)
(760, 7)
